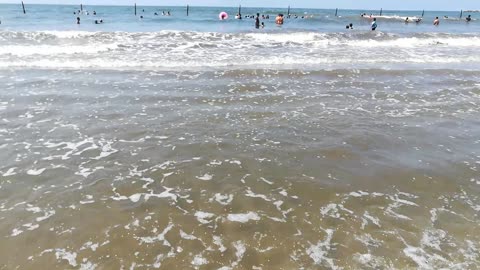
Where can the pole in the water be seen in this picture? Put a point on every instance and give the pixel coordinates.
(381, 11)
(336, 12)
(423, 13)
(23, 7)
(461, 14)
(81, 7)
(135, 9)
(187, 9)
(288, 11)
(240, 9)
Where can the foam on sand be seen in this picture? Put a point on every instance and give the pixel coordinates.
(205, 177)
(243, 218)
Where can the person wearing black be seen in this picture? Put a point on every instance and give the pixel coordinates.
(257, 21)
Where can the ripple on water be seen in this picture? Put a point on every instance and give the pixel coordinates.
(253, 169)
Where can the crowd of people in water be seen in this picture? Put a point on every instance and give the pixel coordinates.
(373, 18)
(80, 12)
(163, 13)
(280, 18)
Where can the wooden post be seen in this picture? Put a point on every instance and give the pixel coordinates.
(381, 11)
(240, 9)
(461, 14)
(336, 12)
(23, 6)
(81, 7)
(423, 13)
(288, 11)
(135, 9)
(187, 9)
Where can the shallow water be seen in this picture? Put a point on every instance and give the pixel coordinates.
(239, 150)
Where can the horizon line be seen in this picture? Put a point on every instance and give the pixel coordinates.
(122, 5)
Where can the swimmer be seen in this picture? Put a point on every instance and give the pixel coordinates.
(96, 21)
(94, 13)
(263, 25)
(156, 14)
(279, 19)
(257, 21)
(469, 18)
(406, 20)
(374, 24)
(168, 13)
(351, 26)
(78, 20)
(436, 22)
(141, 17)
(419, 20)
(267, 17)
(347, 27)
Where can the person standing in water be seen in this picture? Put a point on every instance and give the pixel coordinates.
(279, 19)
(436, 22)
(469, 18)
(257, 21)
(374, 24)
(78, 20)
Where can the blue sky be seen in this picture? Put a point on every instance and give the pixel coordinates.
(453, 5)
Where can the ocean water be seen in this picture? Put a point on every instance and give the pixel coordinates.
(192, 143)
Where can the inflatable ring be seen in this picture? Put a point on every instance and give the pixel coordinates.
(223, 15)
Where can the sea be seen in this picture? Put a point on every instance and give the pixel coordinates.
(189, 142)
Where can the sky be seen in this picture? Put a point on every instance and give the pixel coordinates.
(451, 5)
